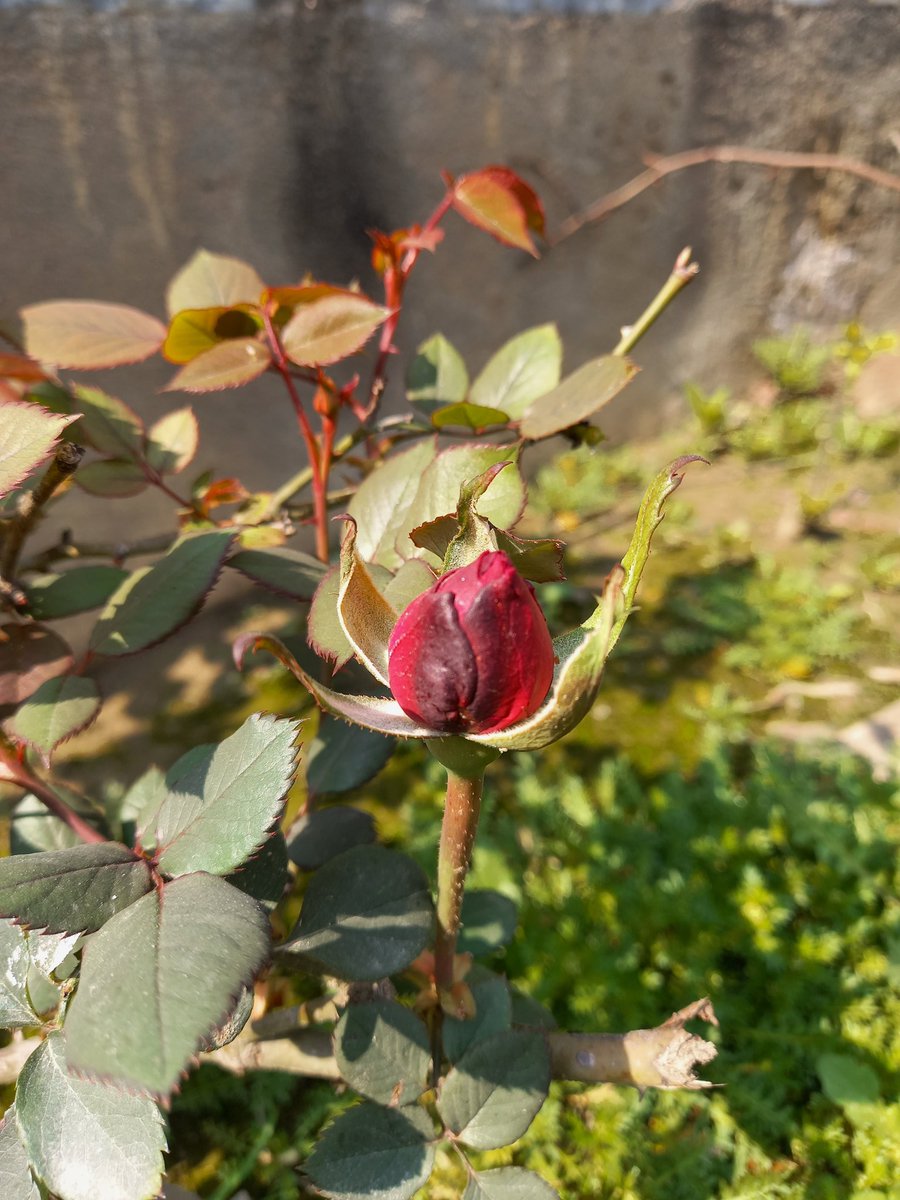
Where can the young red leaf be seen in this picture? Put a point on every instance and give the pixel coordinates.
(88, 334)
(17, 366)
(497, 200)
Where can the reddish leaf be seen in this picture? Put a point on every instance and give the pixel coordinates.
(499, 201)
(229, 364)
(331, 328)
(89, 334)
(209, 280)
(29, 656)
(303, 293)
(17, 366)
(222, 491)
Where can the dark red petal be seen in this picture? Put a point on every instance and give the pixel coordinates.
(431, 667)
(513, 654)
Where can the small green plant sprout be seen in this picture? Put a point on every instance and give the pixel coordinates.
(795, 363)
(858, 346)
(710, 408)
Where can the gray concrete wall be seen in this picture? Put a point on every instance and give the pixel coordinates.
(278, 131)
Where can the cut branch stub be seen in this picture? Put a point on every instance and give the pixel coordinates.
(664, 1058)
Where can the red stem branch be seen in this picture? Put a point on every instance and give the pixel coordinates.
(319, 478)
(395, 279)
(16, 772)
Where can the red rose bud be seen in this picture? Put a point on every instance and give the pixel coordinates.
(472, 654)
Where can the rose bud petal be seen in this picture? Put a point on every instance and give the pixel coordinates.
(472, 654)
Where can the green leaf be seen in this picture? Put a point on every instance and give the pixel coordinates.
(227, 365)
(649, 517)
(508, 1183)
(845, 1080)
(382, 1051)
(29, 656)
(33, 828)
(16, 1180)
(440, 484)
(488, 921)
(155, 601)
(86, 1141)
(499, 201)
(74, 591)
(193, 331)
(141, 803)
(367, 913)
(436, 376)
(74, 890)
(112, 477)
(58, 710)
(374, 1153)
(172, 441)
(496, 1089)
(323, 627)
(383, 501)
(287, 572)
(476, 417)
(317, 836)
(331, 328)
(525, 368)
(265, 876)
(412, 579)
(528, 1011)
(210, 280)
(27, 435)
(159, 977)
(88, 334)
(108, 424)
(578, 397)
(493, 1014)
(342, 757)
(15, 1008)
(223, 800)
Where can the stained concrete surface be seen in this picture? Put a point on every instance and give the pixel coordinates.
(279, 132)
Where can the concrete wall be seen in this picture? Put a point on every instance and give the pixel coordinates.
(280, 131)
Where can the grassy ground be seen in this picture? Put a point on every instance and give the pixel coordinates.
(704, 832)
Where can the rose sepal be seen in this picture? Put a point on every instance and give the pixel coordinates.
(381, 713)
(366, 617)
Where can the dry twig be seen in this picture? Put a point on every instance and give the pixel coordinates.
(659, 166)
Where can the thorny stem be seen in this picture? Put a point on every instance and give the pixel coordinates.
(682, 274)
(460, 822)
(318, 476)
(395, 279)
(64, 464)
(17, 772)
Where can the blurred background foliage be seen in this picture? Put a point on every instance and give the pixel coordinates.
(706, 831)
